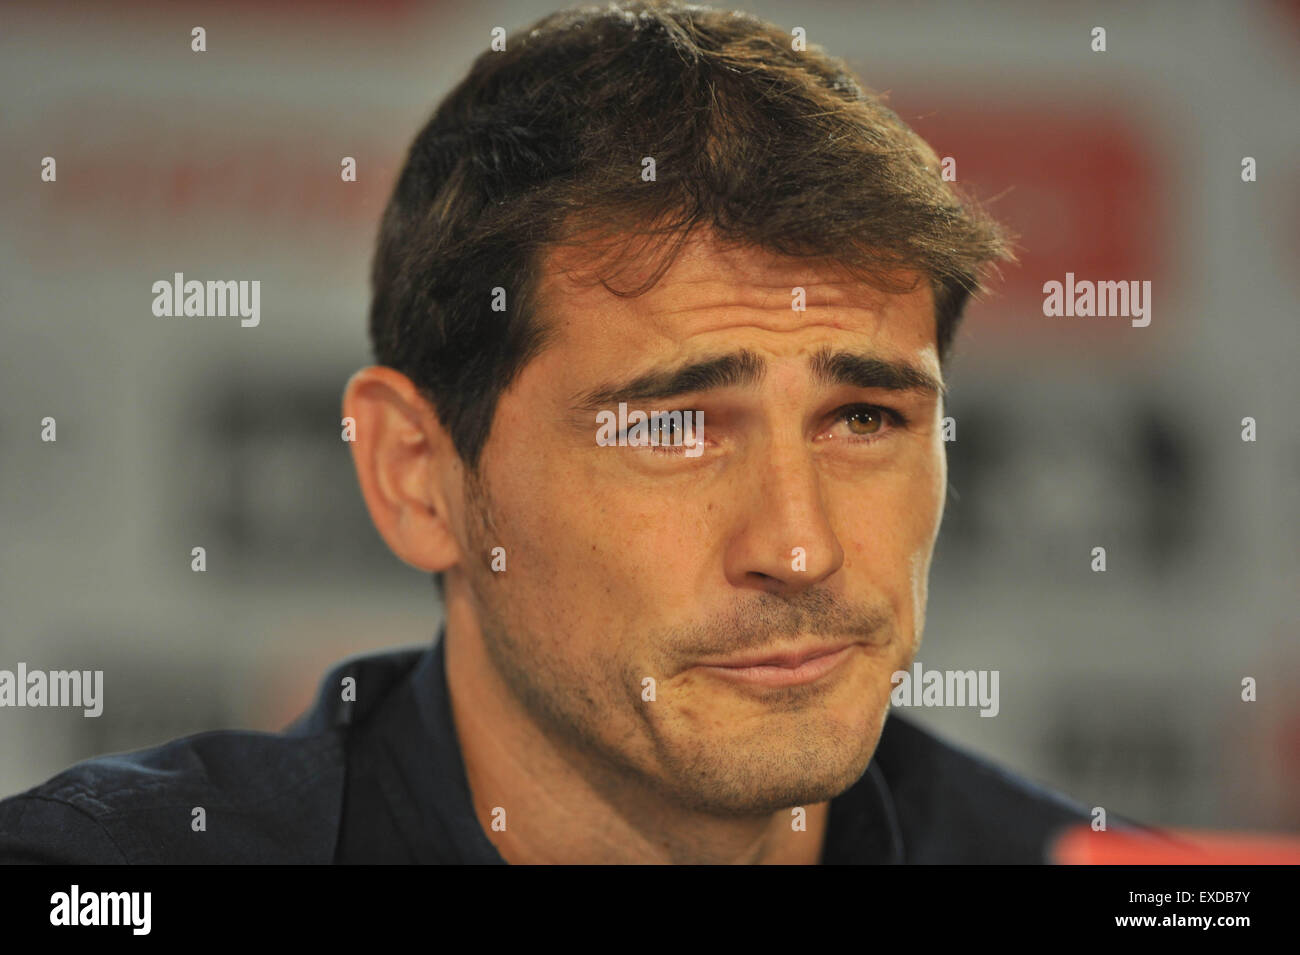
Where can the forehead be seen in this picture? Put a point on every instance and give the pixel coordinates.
(714, 292)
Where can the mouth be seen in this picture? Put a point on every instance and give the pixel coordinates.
(781, 669)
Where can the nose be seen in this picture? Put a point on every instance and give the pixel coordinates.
(784, 541)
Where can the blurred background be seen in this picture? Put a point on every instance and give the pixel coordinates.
(1121, 688)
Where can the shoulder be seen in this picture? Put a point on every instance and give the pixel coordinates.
(224, 796)
(955, 806)
(214, 797)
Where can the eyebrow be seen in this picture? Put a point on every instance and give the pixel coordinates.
(743, 368)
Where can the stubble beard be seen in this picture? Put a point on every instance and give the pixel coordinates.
(807, 761)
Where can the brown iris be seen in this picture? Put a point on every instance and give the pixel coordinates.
(865, 421)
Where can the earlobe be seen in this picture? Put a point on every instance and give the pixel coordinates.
(400, 449)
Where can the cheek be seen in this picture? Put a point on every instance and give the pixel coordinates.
(929, 513)
(568, 528)
(893, 522)
(529, 517)
(936, 478)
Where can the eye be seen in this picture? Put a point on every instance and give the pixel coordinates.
(671, 433)
(668, 432)
(868, 423)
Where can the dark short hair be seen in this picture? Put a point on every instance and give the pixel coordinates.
(541, 145)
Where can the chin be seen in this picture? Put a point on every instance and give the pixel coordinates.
(762, 776)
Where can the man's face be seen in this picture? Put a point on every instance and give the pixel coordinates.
(806, 521)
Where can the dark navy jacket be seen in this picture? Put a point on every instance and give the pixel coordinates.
(381, 780)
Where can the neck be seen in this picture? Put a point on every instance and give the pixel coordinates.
(563, 806)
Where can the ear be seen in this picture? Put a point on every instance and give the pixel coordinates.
(403, 457)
